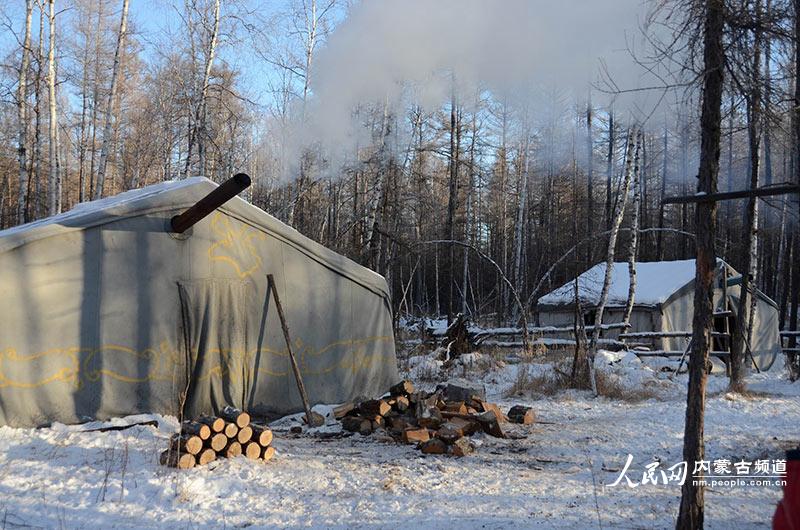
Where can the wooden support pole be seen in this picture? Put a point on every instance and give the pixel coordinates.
(729, 195)
(271, 286)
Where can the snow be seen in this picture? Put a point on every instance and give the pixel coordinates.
(86, 208)
(655, 282)
(63, 477)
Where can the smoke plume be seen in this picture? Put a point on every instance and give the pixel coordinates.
(420, 51)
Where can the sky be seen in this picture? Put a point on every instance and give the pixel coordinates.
(396, 53)
(503, 41)
(150, 21)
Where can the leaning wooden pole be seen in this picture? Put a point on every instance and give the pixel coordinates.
(295, 368)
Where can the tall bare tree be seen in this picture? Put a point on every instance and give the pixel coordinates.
(54, 189)
(690, 515)
(112, 92)
(633, 245)
(753, 101)
(198, 132)
(22, 116)
(631, 160)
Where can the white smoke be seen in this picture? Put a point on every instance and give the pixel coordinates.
(419, 51)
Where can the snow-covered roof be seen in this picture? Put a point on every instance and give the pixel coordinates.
(166, 197)
(85, 209)
(655, 282)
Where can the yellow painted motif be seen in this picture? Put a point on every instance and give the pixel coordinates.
(76, 365)
(234, 245)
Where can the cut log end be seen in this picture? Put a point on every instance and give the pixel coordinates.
(403, 388)
(252, 451)
(234, 415)
(268, 453)
(262, 435)
(218, 442)
(178, 460)
(412, 436)
(244, 435)
(215, 424)
(197, 429)
(375, 407)
(206, 456)
(233, 450)
(462, 447)
(182, 443)
(521, 414)
(231, 430)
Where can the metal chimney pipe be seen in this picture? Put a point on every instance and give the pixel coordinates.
(224, 192)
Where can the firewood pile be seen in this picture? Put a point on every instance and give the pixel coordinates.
(207, 438)
(438, 422)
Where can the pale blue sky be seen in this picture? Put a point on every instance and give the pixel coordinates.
(153, 21)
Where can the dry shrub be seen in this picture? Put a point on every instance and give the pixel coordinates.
(610, 387)
(427, 372)
(547, 383)
(537, 350)
(552, 382)
(484, 364)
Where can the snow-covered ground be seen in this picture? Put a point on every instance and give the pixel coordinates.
(553, 474)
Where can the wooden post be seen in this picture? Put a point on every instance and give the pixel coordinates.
(683, 357)
(726, 309)
(271, 286)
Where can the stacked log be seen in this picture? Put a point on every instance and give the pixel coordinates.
(207, 438)
(429, 420)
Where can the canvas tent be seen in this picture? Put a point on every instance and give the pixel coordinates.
(105, 312)
(664, 301)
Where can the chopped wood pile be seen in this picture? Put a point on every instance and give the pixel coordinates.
(207, 438)
(434, 421)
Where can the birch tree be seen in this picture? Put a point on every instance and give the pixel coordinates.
(523, 167)
(610, 167)
(589, 177)
(22, 116)
(54, 189)
(36, 161)
(633, 247)
(452, 195)
(619, 214)
(794, 359)
(197, 134)
(753, 98)
(115, 72)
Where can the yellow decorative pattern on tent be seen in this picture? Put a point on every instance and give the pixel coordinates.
(76, 365)
(353, 360)
(234, 245)
(65, 368)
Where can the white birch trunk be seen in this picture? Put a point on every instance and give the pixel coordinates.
(468, 218)
(105, 146)
(612, 245)
(380, 184)
(22, 114)
(203, 114)
(54, 190)
(754, 273)
(522, 199)
(634, 244)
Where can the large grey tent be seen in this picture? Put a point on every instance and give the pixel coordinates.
(105, 312)
(664, 302)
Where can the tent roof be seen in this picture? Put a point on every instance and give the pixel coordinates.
(180, 194)
(655, 282)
